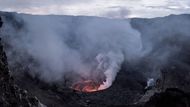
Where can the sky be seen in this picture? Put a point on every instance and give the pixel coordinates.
(102, 8)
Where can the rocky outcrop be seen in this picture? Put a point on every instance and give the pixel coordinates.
(10, 94)
(172, 97)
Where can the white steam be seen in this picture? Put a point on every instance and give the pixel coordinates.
(63, 44)
(110, 64)
(53, 47)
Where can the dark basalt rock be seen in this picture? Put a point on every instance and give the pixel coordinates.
(10, 94)
(172, 97)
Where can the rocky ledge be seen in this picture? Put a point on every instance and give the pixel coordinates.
(11, 95)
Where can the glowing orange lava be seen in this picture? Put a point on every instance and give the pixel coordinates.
(86, 86)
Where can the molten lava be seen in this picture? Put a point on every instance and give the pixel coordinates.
(86, 86)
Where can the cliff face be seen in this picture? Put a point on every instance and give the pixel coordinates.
(170, 98)
(167, 34)
(10, 94)
(171, 35)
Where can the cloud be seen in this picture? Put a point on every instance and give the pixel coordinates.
(111, 8)
(118, 12)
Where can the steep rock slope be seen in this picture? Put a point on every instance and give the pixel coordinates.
(167, 34)
(11, 95)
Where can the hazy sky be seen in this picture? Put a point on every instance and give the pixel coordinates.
(105, 8)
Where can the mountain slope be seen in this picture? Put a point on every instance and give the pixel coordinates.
(10, 94)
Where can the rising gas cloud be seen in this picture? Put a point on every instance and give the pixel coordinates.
(53, 46)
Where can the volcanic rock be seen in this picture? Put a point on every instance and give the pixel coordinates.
(172, 97)
(11, 95)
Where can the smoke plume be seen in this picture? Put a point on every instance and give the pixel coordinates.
(52, 46)
(55, 48)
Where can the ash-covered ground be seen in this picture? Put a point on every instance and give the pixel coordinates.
(166, 59)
